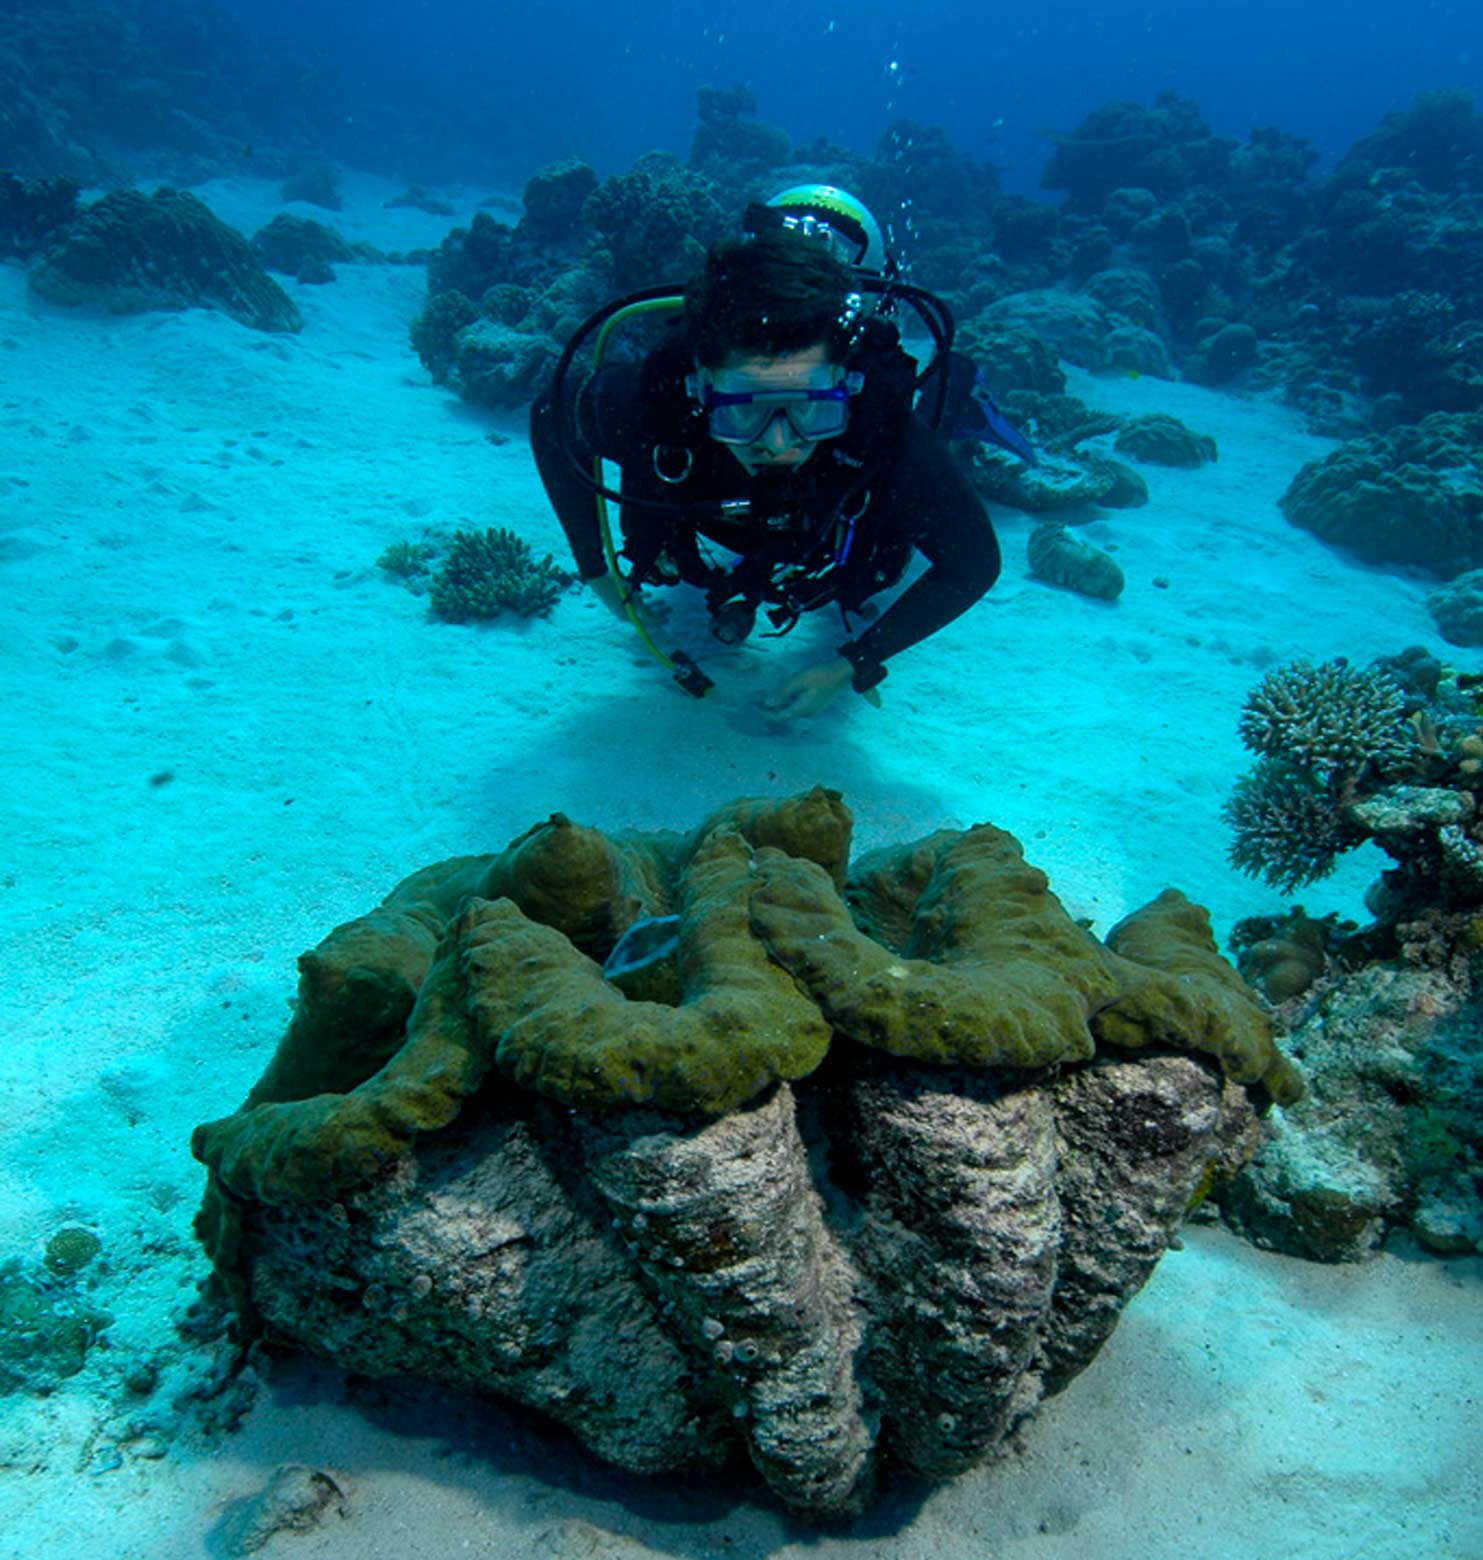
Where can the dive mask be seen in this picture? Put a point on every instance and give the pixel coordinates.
(736, 416)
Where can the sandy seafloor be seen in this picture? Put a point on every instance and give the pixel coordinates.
(226, 732)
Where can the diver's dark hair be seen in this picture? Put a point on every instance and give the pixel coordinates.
(775, 293)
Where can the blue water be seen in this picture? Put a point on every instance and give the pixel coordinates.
(609, 82)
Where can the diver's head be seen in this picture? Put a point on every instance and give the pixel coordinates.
(766, 296)
(830, 215)
(771, 324)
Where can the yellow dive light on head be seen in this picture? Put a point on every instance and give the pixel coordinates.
(838, 218)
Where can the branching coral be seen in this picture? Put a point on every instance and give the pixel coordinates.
(1289, 829)
(494, 571)
(1387, 1015)
(1328, 719)
(1349, 756)
(1326, 735)
(406, 560)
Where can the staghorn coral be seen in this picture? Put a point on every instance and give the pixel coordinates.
(1327, 719)
(1328, 737)
(1290, 831)
(490, 572)
(1351, 756)
(879, 1181)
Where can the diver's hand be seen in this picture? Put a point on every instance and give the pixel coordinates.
(807, 692)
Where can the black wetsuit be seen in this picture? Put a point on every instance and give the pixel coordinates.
(839, 528)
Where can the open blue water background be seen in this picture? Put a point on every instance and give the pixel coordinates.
(608, 82)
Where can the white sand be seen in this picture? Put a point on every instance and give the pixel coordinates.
(190, 514)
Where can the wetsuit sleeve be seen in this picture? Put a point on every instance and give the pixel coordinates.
(931, 499)
(603, 416)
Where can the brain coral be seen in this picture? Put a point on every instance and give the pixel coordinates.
(1412, 496)
(131, 252)
(880, 1180)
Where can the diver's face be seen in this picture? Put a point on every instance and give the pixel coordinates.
(779, 445)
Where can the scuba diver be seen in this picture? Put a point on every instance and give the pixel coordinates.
(776, 451)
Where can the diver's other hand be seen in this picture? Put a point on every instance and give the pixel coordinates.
(807, 692)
